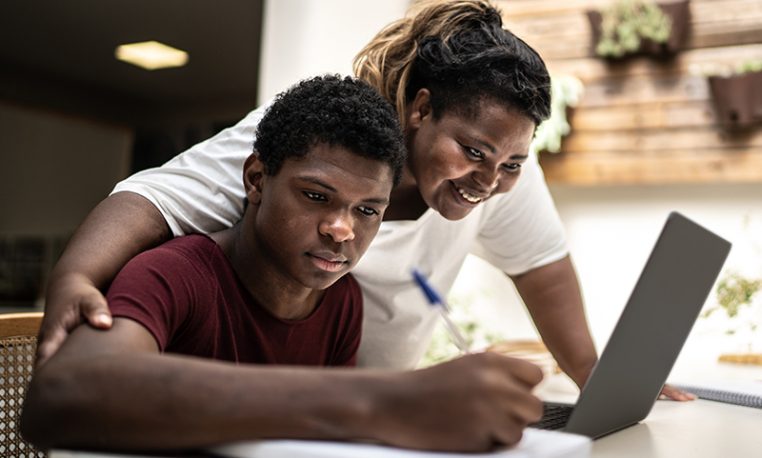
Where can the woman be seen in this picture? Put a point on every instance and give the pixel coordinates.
(470, 95)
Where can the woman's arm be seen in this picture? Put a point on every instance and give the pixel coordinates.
(127, 396)
(552, 296)
(199, 190)
(120, 227)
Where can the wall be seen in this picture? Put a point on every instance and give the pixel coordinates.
(302, 38)
(53, 170)
(646, 119)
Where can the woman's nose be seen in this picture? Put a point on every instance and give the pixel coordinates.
(486, 178)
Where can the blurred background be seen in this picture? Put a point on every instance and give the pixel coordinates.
(633, 138)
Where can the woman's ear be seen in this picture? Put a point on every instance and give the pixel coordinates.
(253, 177)
(419, 109)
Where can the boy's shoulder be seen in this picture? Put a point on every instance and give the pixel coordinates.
(194, 250)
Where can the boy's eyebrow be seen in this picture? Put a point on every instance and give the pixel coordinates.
(321, 183)
(515, 157)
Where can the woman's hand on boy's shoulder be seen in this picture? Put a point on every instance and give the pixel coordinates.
(70, 301)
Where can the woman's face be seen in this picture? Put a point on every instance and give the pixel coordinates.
(459, 162)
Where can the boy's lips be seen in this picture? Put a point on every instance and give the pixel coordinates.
(328, 260)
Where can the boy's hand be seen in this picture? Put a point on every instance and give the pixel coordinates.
(68, 301)
(470, 404)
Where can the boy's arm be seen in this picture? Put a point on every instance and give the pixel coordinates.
(127, 396)
(120, 227)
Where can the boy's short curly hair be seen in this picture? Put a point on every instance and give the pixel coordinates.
(332, 110)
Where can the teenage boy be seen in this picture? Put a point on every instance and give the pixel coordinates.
(200, 321)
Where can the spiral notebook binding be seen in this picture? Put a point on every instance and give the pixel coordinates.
(728, 397)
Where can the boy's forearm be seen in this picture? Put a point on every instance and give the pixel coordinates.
(163, 402)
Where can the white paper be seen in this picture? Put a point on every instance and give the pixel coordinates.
(534, 444)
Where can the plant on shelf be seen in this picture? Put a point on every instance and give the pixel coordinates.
(633, 26)
(565, 91)
(735, 296)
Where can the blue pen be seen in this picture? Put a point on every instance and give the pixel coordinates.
(435, 300)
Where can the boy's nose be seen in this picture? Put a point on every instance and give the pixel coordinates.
(338, 227)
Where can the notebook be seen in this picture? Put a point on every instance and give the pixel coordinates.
(726, 393)
(666, 300)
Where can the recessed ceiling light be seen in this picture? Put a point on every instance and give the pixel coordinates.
(151, 55)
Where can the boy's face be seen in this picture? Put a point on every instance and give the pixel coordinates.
(316, 217)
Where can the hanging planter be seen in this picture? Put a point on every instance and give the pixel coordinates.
(738, 97)
(630, 27)
(566, 91)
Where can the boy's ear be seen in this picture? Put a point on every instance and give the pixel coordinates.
(253, 176)
(419, 108)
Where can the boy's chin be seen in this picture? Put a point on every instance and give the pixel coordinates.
(324, 280)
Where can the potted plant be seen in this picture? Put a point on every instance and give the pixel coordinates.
(735, 296)
(639, 26)
(566, 91)
(737, 95)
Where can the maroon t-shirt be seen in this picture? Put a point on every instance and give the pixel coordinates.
(187, 295)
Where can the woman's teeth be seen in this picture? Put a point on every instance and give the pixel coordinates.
(469, 197)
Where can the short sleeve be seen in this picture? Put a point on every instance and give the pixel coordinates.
(521, 230)
(351, 325)
(201, 189)
(157, 289)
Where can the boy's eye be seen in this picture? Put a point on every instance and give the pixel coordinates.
(316, 196)
(367, 211)
(473, 153)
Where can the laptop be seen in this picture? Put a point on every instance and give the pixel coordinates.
(651, 331)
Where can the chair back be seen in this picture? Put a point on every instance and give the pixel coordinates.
(18, 344)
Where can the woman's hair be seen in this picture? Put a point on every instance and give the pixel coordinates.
(459, 51)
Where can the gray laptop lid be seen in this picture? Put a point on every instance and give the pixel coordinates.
(655, 323)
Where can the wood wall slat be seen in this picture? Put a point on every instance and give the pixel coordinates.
(662, 115)
(657, 141)
(592, 68)
(678, 167)
(627, 91)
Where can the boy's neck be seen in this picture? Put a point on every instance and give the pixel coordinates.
(282, 298)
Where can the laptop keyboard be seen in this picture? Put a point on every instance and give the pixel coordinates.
(554, 416)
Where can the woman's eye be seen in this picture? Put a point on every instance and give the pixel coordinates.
(316, 196)
(512, 167)
(367, 211)
(473, 153)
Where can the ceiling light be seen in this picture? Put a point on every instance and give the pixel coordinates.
(151, 55)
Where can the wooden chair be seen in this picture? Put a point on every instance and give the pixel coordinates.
(18, 343)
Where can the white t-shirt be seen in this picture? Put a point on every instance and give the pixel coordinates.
(201, 190)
